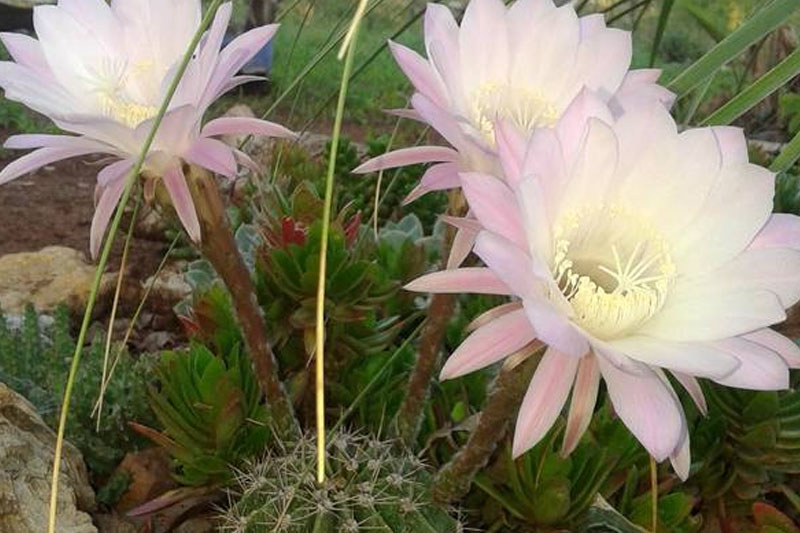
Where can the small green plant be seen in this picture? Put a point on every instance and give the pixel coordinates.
(35, 353)
(212, 413)
(373, 486)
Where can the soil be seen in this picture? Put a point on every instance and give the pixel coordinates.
(54, 206)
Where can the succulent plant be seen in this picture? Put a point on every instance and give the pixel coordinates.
(373, 485)
(212, 413)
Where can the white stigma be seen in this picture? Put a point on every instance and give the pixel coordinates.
(524, 107)
(112, 85)
(613, 267)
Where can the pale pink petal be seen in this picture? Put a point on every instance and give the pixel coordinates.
(489, 344)
(39, 158)
(245, 126)
(102, 214)
(603, 59)
(442, 121)
(732, 145)
(238, 52)
(27, 52)
(783, 346)
(507, 261)
(178, 189)
(467, 223)
(681, 458)
(572, 125)
(36, 140)
(546, 396)
(511, 148)
(692, 386)
(495, 206)
(545, 159)
(476, 280)
(214, 155)
(483, 41)
(493, 313)
(410, 114)
(647, 406)
(408, 156)
(114, 172)
(436, 178)
(639, 89)
(463, 243)
(419, 72)
(584, 398)
(761, 368)
(781, 231)
(554, 328)
(237, 81)
(690, 358)
(247, 161)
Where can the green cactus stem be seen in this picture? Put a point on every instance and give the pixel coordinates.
(219, 247)
(455, 478)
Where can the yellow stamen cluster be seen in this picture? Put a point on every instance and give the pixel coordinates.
(525, 107)
(613, 267)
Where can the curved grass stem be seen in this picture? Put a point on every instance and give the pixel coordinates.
(105, 254)
(326, 218)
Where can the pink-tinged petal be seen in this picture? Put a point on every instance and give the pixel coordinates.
(761, 368)
(408, 156)
(419, 72)
(463, 243)
(176, 132)
(783, 346)
(511, 148)
(681, 458)
(440, 120)
(439, 26)
(639, 89)
(114, 172)
(732, 144)
(781, 231)
(508, 262)
(483, 42)
(554, 328)
(584, 398)
(545, 159)
(237, 81)
(436, 178)
(35, 90)
(27, 52)
(572, 125)
(467, 223)
(690, 358)
(181, 197)
(495, 206)
(594, 166)
(410, 114)
(27, 141)
(477, 280)
(37, 159)
(236, 55)
(493, 313)
(692, 386)
(102, 214)
(647, 406)
(546, 396)
(246, 126)
(247, 161)
(489, 344)
(214, 155)
(533, 201)
(603, 59)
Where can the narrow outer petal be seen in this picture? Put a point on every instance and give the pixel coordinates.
(178, 189)
(584, 398)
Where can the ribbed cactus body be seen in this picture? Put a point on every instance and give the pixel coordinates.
(372, 486)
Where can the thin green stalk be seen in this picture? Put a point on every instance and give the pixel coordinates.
(101, 266)
(323, 259)
(788, 156)
(114, 307)
(699, 96)
(654, 494)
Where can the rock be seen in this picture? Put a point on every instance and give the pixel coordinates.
(169, 287)
(197, 525)
(26, 458)
(112, 523)
(46, 279)
(150, 477)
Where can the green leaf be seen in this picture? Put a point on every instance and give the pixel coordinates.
(763, 22)
(666, 9)
(705, 19)
(788, 156)
(760, 89)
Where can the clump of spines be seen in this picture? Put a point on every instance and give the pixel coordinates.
(372, 485)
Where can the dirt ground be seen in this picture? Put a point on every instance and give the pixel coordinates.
(54, 206)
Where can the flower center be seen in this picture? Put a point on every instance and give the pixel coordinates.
(613, 267)
(112, 84)
(525, 107)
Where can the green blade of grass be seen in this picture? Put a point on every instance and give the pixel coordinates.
(666, 9)
(763, 22)
(788, 156)
(755, 93)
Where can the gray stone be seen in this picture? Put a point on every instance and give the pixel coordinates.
(26, 458)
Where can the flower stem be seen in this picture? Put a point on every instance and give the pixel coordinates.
(454, 479)
(219, 247)
(323, 254)
(654, 494)
(409, 416)
(104, 255)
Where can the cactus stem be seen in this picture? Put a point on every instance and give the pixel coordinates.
(219, 247)
(654, 493)
(455, 478)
